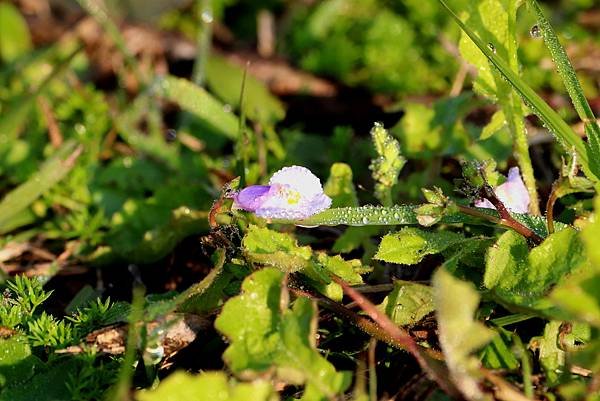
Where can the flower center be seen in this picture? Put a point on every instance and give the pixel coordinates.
(290, 195)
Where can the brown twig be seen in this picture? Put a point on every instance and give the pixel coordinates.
(505, 217)
(54, 134)
(432, 367)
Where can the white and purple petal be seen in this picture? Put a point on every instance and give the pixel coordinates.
(293, 193)
(513, 193)
(250, 198)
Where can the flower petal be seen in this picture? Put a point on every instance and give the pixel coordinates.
(293, 193)
(513, 193)
(298, 178)
(251, 198)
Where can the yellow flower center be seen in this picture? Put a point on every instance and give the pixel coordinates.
(293, 196)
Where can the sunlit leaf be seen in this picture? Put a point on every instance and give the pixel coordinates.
(183, 386)
(266, 335)
(522, 277)
(460, 334)
(410, 245)
(408, 302)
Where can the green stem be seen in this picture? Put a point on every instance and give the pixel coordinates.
(516, 124)
(203, 41)
(516, 120)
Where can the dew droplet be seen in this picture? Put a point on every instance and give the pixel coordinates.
(535, 31)
(207, 17)
(492, 48)
(365, 220)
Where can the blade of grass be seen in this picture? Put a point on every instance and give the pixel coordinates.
(49, 174)
(548, 116)
(200, 103)
(243, 139)
(121, 391)
(203, 41)
(567, 73)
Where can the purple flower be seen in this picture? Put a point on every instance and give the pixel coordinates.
(512, 193)
(293, 193)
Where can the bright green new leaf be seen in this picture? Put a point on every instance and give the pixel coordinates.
(271, 248)
(520, 277)
(265, 335)
(493, 21)
(410, 245)
(15, 39)
(387, 165)
(496, 124)
(214, 386)
(460, 334)
(408, 302)
(339, 186)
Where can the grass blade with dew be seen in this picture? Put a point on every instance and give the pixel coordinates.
(567, 73)
(549, 117)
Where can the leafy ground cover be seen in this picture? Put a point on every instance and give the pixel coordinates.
(437, 242)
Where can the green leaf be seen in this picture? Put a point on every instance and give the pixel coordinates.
(200, 103)
(206, 295)
(493, 21)
(15, 39)
(579, 297)
(50, 173)
(408, 302)
(47, 385)
(387, 165)
(496, 124)
(460, 334)
(271, 248)
(552, 347)
(225, 80)
(183, 386)
(354, 237)
(520, 277)
(498, 353)
(591, 233)
(410, 245)
(339, 186)
(17, 364)
(347, 270)
(265, 335)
